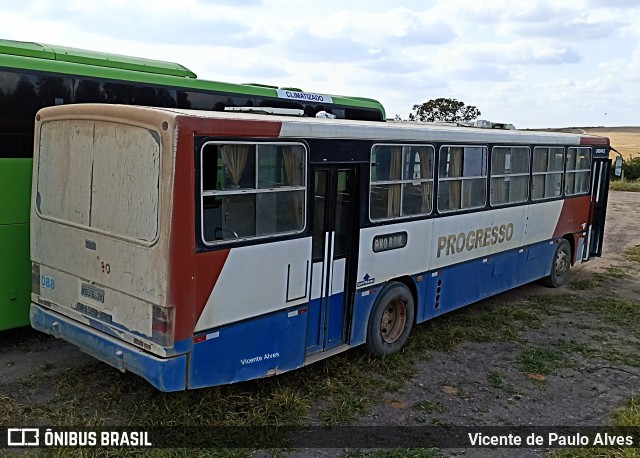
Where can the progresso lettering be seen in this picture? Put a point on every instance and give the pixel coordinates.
(472, 240)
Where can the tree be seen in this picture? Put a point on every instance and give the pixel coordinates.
(631, 168)
(441, 109)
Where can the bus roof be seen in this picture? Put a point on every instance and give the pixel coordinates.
(303, 127)
(101, 59)
(73, 61)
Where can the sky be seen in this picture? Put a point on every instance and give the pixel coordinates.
(532, 63)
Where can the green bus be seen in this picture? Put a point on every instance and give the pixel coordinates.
(34, 75)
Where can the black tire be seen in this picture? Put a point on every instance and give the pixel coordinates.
(391, 320)
(559, 266)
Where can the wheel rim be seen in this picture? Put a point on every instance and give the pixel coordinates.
(561, 266)
(393, 320)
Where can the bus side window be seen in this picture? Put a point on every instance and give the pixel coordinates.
(578, 175)
(462, 178)
(548, 164)
(401, 181)
(509, 175)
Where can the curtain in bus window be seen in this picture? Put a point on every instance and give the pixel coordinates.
(393, 204)
(426, 172)
(498, 160)
(519, 166)
(519, 188)
(293, 168)
(554, 180)
(455, 170)
(540, 157)
(474, 166)
(235, 158)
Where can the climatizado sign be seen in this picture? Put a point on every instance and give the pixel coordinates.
(308, 96)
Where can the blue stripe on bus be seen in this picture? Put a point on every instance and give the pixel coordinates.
(260, 347)
(166, 374)
(461, 284)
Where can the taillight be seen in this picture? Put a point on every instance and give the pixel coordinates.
(162, 326)
(35, 278)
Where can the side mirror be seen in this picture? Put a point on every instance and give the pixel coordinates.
(617, 168)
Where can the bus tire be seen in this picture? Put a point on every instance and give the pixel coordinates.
(391, 320)
(559, 266)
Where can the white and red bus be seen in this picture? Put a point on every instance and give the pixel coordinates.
(203, 248)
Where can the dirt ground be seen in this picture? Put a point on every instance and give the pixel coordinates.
(476, 383)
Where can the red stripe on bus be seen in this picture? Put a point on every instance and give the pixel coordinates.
(575, 212)
(182, 243)
(208, 268)
(191, 276)
(232, 127)
(596, 141)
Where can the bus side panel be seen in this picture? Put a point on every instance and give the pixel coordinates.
(363, 303)
(256, 280)
(462, 284)
(15, 268)
(535, 262)
(574, 216)
(379, 267)
(264, 346)
(461, 238)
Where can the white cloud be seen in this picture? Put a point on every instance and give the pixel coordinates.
(535, 63)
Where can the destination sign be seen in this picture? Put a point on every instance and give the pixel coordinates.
(389, 241)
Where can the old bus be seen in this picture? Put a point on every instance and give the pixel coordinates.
(203, 248)
(34, 75)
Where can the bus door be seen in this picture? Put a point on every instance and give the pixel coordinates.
(599, 195)
(334, 252)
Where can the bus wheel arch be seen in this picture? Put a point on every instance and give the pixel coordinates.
(570, 238)
(560, 264)
(391, 319)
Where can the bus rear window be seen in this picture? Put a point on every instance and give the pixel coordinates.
(252, 190)
(100, 175)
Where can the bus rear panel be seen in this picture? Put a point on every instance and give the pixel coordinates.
(99, 241)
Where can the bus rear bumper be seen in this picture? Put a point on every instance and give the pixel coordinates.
(166, 374)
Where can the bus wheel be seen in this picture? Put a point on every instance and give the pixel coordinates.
(559, 267)
(391, 320)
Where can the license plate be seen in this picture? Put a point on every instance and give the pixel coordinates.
(92, 292)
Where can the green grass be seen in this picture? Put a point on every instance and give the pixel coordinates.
(628, 416)
(543, 360)
(612, 311)
(593, 280)
(496, 379)
(615, 272)
(632, 254)
(626, 185)
(431, 407)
